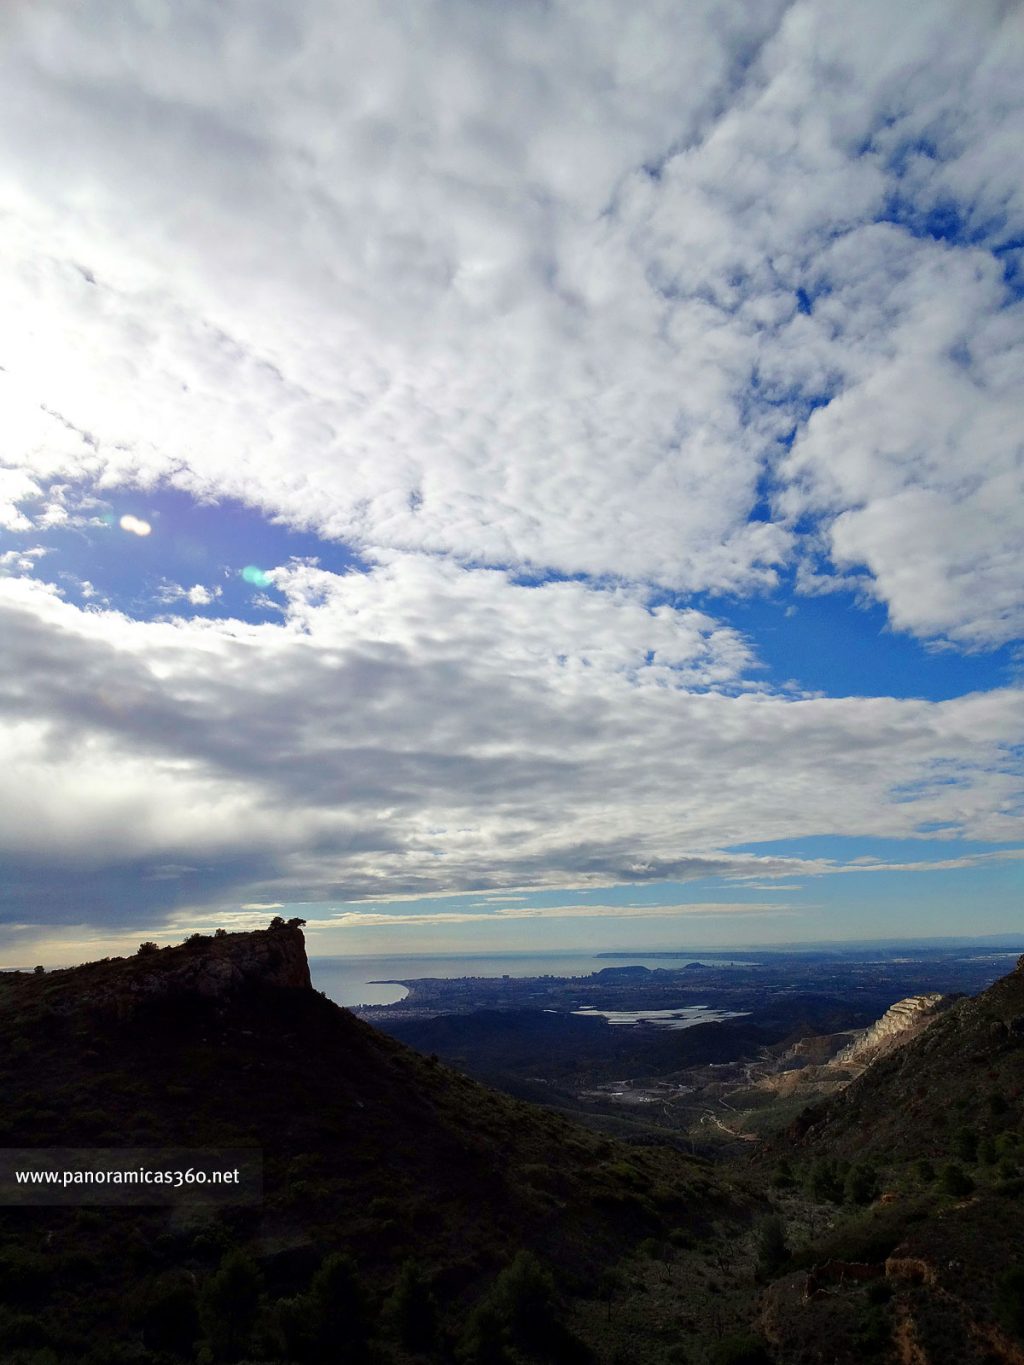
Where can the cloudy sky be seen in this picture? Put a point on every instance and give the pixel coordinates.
(495, 475)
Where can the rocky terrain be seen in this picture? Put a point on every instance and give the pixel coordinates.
(419, 1218)
(926, 1148)
(821, 1065)
(385, 1172)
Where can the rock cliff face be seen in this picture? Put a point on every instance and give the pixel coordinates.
(898, 1025)
(216, 967)
(213, 968)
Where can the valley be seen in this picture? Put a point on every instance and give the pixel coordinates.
(821, 1172)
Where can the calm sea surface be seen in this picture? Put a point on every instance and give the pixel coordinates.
(347, 980)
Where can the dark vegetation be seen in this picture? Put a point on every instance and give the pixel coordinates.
(915, 1173)
(409, 1213)
(413, 1216)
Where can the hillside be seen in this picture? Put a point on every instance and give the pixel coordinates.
(908, 1103)
(419, 1175)
(915, 1173)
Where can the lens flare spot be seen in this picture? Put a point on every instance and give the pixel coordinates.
(259, 578)
(135, 525)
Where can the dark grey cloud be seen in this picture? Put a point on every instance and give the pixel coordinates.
(379, 741)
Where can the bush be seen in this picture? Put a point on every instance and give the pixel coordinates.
(965, 1145)
(22, 1329)
(168, 1315)
(873, 1333)
(1010, 1300)
(519, 1316)
(827, 1180)
(145, 949)
(955, 1181)
(411, 1310)
(228, 1305)
(337, 1309)
(25, 1277)
(861, 1184)
(772, 1248)
(743, 1349)
(924, 1170)
(1009, 1147)
(327, 1323)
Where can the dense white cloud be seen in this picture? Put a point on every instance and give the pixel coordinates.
(659, 297)
(520, 284)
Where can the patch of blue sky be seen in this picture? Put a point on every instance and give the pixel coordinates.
(870, 890)
(223, 547)
(842, 646)
(848, 848)
(857, 903)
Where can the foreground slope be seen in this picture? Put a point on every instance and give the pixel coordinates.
(966, 1069)
(922, 1161)
(370, 1150)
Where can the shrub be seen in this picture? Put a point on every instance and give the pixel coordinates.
(924, 1170)
(1009, 1146)
(955, 1181)
(148, 947)
(873, 1333)
(965, 1145)
(772, 1248)
(228, 1304)
(519, 1316)
(337, 1309)
(742, 1349)
(22, 1329)
(827, 1180)
(168, 1315)
(861, 1184)
(25, 1277)
(1010, 1300)
(411, 1309)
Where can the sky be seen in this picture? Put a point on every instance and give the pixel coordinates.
(488, 477)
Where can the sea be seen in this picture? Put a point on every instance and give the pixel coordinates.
(355, 980)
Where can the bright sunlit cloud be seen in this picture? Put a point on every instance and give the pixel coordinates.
(568, 445)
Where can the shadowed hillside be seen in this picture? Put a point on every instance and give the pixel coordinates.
(424, 1182)
(916, 1172)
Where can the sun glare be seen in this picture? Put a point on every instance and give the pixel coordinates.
(135, 525)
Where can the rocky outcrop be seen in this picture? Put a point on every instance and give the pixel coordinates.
(217, 967)
(898, 1025)
(822, 1065)
(211, 968)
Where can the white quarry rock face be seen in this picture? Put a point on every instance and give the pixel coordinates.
(897, 1025)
